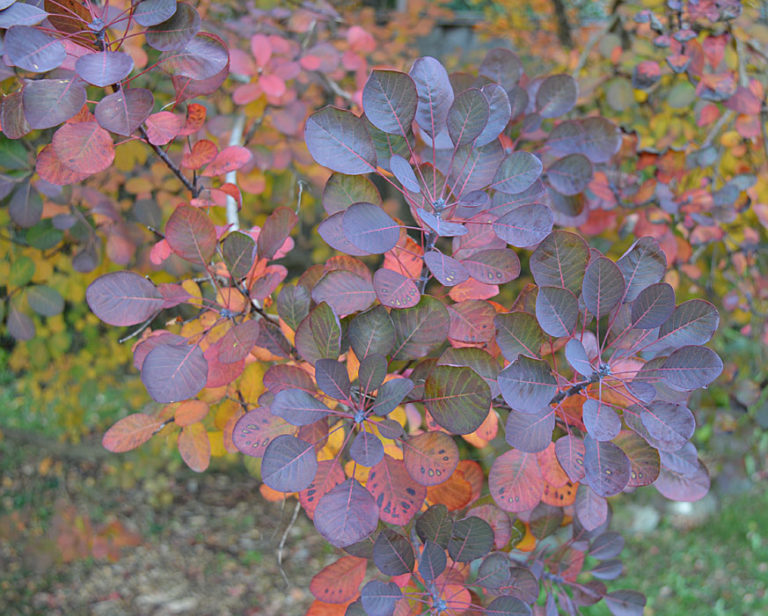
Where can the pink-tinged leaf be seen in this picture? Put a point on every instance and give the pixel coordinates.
(447, 270)
(237, 343)
(203, 58)
(653, 306)
(130, 432)
(389, 101)
(435, 94)
(369, 228)
(84, 147)
(606, 467)
(298, 407)
(467, 116)
(123, 298)
(156, 338)
(395, 290)
(643, 458)
(601, 421)
(498, 520)
(191, 234)
(472, 321)
(346, 514)
(104, 68)
(20, 326)
(515, 481)
(187, 88)
(256, 429)
(517, 172)
(590, 509)
(744, 101)
(340, 581)
(603, 286)
(691, 367)
(276, 230)
(530, 432)
(344, 291)
(560, 261)
(643, 264)
(570, 454)
(272, 85)
(625, 602)
(419, 329)
(195, 447)
(173, 294)
(557, 310)
(687, 487)
(152, 12)
(162, 127)
(494, 266)
(176, 31)
(329, 474)
(669, 425)
(33, 50)
(261, 49)
(289, 464)
(458, 399)
(203, 152)
(518, 333)
(229, 159)
(527, 385)
(430, 457)
(174, 372)
(49, 102)
(570, 175)
(339, 140)
(124, 111)
(556, 96)
(264, 286)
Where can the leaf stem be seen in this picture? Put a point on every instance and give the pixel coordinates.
(193, 188)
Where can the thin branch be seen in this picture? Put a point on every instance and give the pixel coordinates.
(170, 164)
(235, 137)
(282, 542)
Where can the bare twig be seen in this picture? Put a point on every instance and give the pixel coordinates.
(195, 190)
(283, 539)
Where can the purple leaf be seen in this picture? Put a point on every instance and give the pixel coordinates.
(527, 385)
(518, 333)
(474, 168)
(566, 138)
(237, 249)
(345, 292)
(332, 232)
(625, 603)
(203, 57)
(372, 332)
(332, 378)
(435, 94)
(346, 514)
(458, 398)
(684, 461)
(403, 171)
(276, 229)
(124, 111)
(319, 334)
(502, 66)
(369, 228)
(560, 261)
(104, 68)
(395, 290)
(670, 425)
(653, 306)
(506, 605)
(602, 139)
(517, 172)
(390, 396)
(339, 140)
(606, 467)
(123, 298)
(570, 453)
(19, 325)
(26, 205)
(432, 561)
(643, 264)
(20, 14)
(603, 286)
(601, 421)
(692, 323)
(289, 464)
(419, 329)
(393, 553)
(608, 545)
(49, 102)
(570, 175)
(176, 31)
(499, 115)
(577, 357)
(691, 367)
(643, 457)
(389, 101)
(298, 407)
(687, 487)
(191, 234)
(590, 508)
(397, 496)
(556, 95)
(494, 266)
(152, 12)
(557, 310)
(174, 372)
(525, 226)
(467, 116)
(471, 538)
(439, 226)
(530, 432)
(33, 50)
(366, 449)
(342, 190)
(256, 429)
(447, 270)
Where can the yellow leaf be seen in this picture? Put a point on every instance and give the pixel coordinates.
(251, 382)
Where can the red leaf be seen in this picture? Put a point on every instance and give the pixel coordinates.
(162, 127)
(339, 582)
(84, 147)
(50, 168)
(229, 159)
(130, 432)
(195, 119)
(203, 152)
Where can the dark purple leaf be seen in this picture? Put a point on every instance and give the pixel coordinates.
(458, 398)
(527, 385)
(692, 323)
(372, 332)
(556, 96)
(343, 190)
(590, 508)
(545, 520)
(602, 139)
(684, 461)
(104, 68)
(500, 113)
(153, 12)
(606, 466)
(346, 514)
(435, 525)
(608, 545)
(390, 396)
(379, 598)
(494, 266)
(467, 116)
(502, 66)
(298, 407)
(124, 111)
(691, 367)
(518, 333)
(339, 140)
(389, 101)
(560, 261)
(332, 232)
(493, 573)
(603, 286)
(25, 206)
(332, 378)
(432, 561)
(525, 226)
(369, 228)
(570, 454)
(123, 298)
(507, 605)
(601, 421)
(570, 175)
(517, 172)
(607, 570)
(670, 425)
(566, 138)
(687, 487)
(366, 449)
(643, 264)
(403, 171)
(653, 306)
(474, 167)
(530, 432)
(447, 270)
(435, 94)
(176, 31)
(419, 329)
(276, 229)
(33, 50)
(289, 464)
(203, 57)
(557, 310)
(393, 553)
(12, 118)
(319, 335)
(49, 102)
(471, 538)
(174, 372)
(344, 291)
(395, 290)
(577, 357)
(625, 602)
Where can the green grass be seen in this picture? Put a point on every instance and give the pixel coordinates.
(717, 569)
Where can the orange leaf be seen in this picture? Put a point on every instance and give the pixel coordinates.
(130, 432)
(473, 473)
(320, 608)
(559, 497)
(340, 581)
(551, 470)
(190, 411)
(454, 493)
(485, 433)
(194, 447)
(203, 152)
(195, 119)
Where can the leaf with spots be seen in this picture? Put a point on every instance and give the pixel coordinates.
(644, 460)
(430, 457)
(329, 475)
(340, 581)
(515, 481)
(446, 270)
(606, 467)
(256, 429)
(397, 496)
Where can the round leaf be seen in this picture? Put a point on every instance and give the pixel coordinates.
(430, 457)
(527, 385)
(517, 172)
(556, 95)
(49, 102)
(123, 298)
(603, 286)
(124, 111)
(397, 496)
(515, 481)
(570, 175)
(289, 464)
(557, 310)
(104, 68)
(389, 101)
(369, 228)
(395, 290)
(33, 50)
(458, 398)
(467, 116)
(84, 147)
(606, 466)
(339, 140)
(525, 226)
(191, 234)
(174, 372)
(346, 514)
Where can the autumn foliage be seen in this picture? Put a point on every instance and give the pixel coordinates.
(493, 341)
